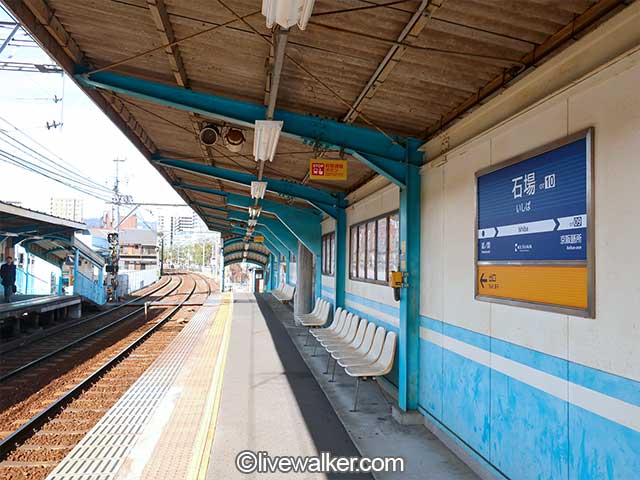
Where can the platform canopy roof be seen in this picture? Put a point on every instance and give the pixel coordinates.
(49, 237)
(367, 80)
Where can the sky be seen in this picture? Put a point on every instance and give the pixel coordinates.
(87, 140)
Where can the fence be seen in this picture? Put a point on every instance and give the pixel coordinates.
(132, 280)
(90, 289)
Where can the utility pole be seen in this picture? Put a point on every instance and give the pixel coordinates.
(114, 238)
(117, 198)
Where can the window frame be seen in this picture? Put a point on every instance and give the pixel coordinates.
(354, 227)
(328, 260)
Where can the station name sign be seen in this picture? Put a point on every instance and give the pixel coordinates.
(534, 241)
(322, 169)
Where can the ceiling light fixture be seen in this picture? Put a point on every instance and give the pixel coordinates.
(287, 13)
(265, 139)
(234, 139)
(209, 134)
(258, 189)
(246, 246)
(254, 211)
(252, 222)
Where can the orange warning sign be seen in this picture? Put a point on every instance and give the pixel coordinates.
(564, 286)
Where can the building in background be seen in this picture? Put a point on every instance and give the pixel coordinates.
(138, 249)
(174, 226)
(69, 208)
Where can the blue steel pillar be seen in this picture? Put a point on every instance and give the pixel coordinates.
(60, 282)
(26, 272)
(410, 295)
(341, 258)
(76, 266)
(101, 285)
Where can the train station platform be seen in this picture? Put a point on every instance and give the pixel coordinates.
(29, 304)
(235, 380)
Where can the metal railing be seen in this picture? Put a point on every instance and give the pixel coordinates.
(90, 289)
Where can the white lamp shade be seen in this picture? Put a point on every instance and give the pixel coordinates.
(265, 139)
(287, 13)
(253, 222)
(258, 189)
(254, 211)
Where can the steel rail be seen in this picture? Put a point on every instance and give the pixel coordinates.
(26, 430)
(67, 325)
(75, 342)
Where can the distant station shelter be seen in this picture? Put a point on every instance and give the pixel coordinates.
(50, 260)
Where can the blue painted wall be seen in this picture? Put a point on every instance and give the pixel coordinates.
(523, 431)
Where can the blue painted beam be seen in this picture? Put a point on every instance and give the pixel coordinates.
(255, 252)
(208, 206)
(281, 187)
(307, 128)
(304, 225)
(274, 226)
(306, 228)
(263, 258)
(329, 210)
(272, 242)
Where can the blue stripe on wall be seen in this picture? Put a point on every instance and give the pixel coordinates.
(525, 432)
(382, 307)
(615, 386)
(328, 288)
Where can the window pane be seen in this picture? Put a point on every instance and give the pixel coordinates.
(371, 250)
(394, 242)
(381, 267)
(361, 250)
(332, 250)
(354, 252)
(324, 254)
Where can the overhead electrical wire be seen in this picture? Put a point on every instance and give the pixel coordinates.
(37, 155)
(48, 166)
(17, 161)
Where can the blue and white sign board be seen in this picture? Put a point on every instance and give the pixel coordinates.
(534, 238)
(536, 209)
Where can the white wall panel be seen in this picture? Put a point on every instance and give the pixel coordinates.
(431, 244)
(612, 105)
(460, 307)
(608, 101)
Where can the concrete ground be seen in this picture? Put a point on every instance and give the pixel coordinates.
(270, 400)
(372, 427)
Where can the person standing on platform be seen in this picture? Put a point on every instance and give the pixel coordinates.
(8, 276)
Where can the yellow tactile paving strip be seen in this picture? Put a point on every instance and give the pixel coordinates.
(163, 422)
(180, 451)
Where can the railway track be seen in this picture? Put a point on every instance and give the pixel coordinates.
(37, 367)
(29, 349)
(73, 403)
